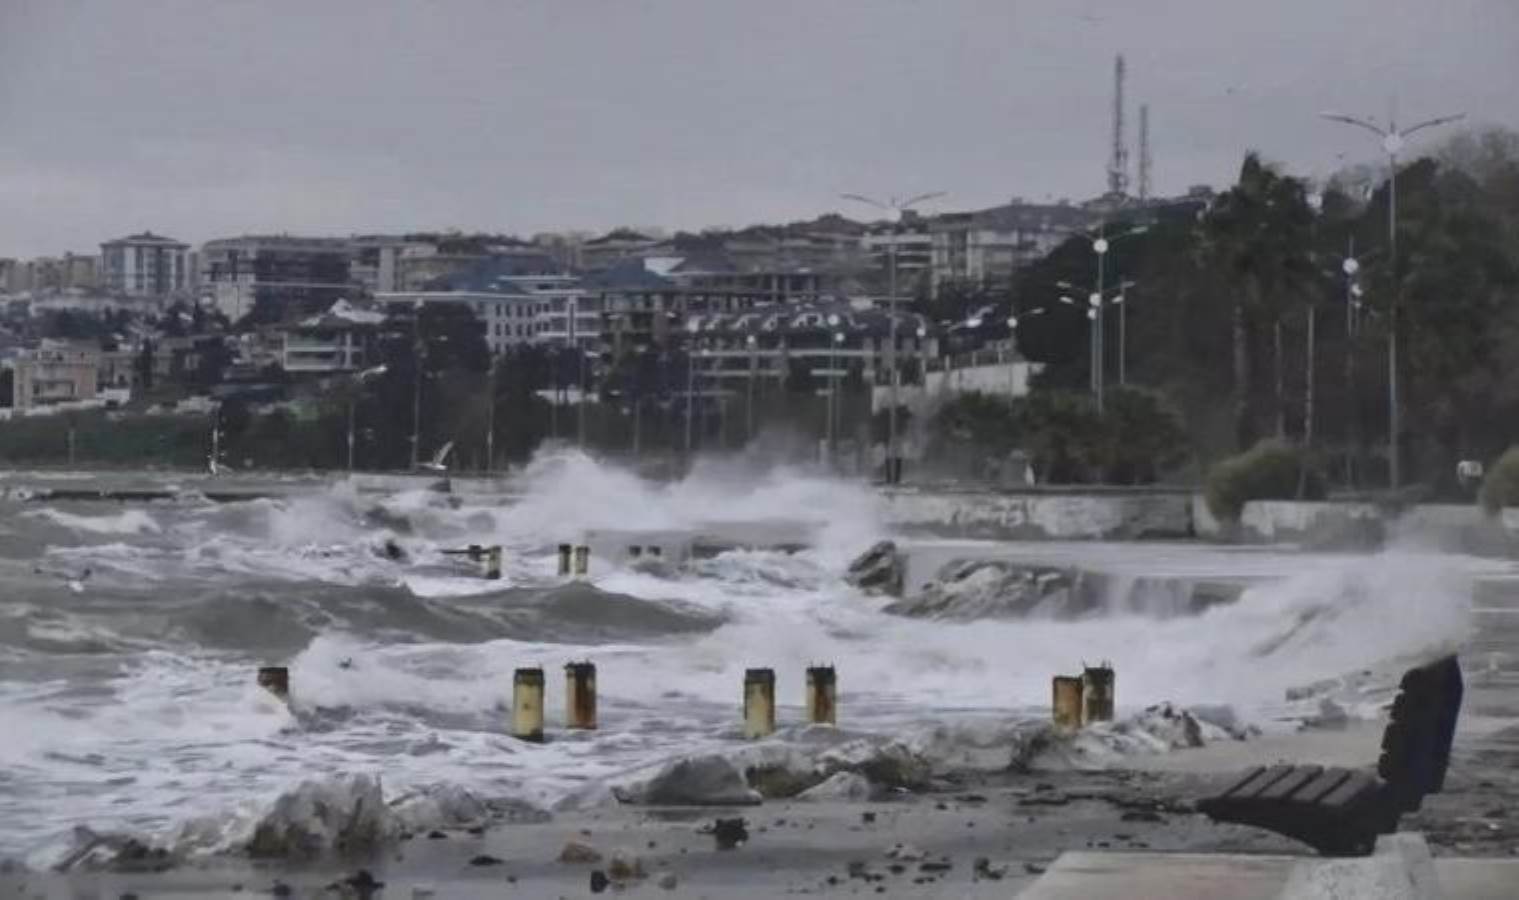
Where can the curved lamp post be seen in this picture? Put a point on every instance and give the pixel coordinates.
(1392, 140)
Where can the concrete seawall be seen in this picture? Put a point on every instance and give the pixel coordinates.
(1043, 515)
(1178, 514)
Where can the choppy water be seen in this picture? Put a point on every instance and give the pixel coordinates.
(129, 636)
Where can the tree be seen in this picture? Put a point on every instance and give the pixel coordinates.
(1257, 236)
(418, 349)
(144, 365)
(1142, 437)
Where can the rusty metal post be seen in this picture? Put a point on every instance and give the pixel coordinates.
(1097, 693)
(527, 704)
(580, 695)
(275, 680)
(564, 559)
(822, 695)
(582, 560)
(491, 567)
(1067, 702)
(759, 702)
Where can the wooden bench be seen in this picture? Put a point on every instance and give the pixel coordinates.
(1341, 811)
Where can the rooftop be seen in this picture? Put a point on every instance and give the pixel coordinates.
(628, 275)
(497, 274)
(146, 237)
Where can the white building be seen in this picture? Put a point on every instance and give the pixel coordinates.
(520, 300)
(339, 340)
(145, 265)
(280, 270)
(914, 246)
(989, 245)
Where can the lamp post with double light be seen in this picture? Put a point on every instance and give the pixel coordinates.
(1097, 302)
(752, 343)
(692, 327)
(894, 210)
(353, 399)
(1393, 139)
(834, 340)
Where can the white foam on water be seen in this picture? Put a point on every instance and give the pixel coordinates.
(128, 521)
(176, 737)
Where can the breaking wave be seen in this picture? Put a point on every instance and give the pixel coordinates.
(136, 680)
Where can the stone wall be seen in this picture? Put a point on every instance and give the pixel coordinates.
(1327, 525)
(1042, 515)
(1161, 514)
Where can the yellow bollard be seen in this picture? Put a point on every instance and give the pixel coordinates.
(527, 705)
(1097, 692)
(822, 695)
(580, 695)
(582, 560)
(564, 559)
(1067, 702)
(275, 680)
(759, 702)
(491, 566)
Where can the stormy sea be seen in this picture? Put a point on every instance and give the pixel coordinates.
(130, 634)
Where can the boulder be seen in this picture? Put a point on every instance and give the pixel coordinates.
(625, 866)
(842, 786)
(971, 589)
(345, 813)
(709, 780)
(886, 766)
(880, 570)
(575, 852)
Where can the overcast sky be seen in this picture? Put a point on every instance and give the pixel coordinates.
(206, 118)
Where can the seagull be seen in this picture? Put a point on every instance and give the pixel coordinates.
(439, 461)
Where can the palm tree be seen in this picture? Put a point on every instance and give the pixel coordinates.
(1257, 235)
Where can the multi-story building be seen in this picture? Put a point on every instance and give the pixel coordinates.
(622, 243)
(826, 340)
(10, 276)
(643, 300)
(714, 284)
(565, 247)
(913, 244)
(145, 265)
(520, 299)
(989, 245)
(639, 306)
(57, 372)
(342, 339)
(286, 277)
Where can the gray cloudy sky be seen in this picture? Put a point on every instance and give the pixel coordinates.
(205, 118)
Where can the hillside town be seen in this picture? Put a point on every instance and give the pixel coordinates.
(154, 324)
(1127, 337)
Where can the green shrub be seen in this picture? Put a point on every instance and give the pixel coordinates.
(1270, 470)
(1501, 486)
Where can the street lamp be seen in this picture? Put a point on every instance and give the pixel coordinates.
(692, 327)
(893, 209)
(419, 354)
(752, 343)
(1096, 300)
(359, 379)
(1392, 139)
(835, 413)
(1101, 243)
(833, 341)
